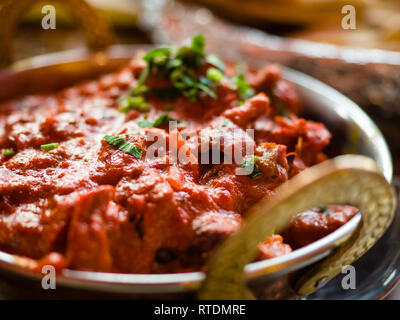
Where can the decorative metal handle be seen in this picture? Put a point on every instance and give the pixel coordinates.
(350, 179)
(98, 32)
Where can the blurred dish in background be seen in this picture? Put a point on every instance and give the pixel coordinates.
(294, 12)
(378, 26)
(122, 13)
(378, 21)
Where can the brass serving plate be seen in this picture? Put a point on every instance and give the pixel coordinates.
(353, 131)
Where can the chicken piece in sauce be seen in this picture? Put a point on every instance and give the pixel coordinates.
(79, 189)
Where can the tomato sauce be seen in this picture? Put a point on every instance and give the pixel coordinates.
(85, 204)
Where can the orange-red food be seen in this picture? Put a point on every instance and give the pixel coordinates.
(88, 205)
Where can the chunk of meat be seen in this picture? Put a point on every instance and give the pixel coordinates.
(223, 141)
(273, 247)
(36, 229)
(265, 78)
(284, 98)
(212, 227)
(272, 161)
(306, 139)
(315, 224)
(87, 243)
(33, 174)
(249, 111)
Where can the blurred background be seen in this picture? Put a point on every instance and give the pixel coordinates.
(307, 35)
(378, 21)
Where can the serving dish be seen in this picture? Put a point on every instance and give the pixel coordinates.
(356, 133)
(355, 180)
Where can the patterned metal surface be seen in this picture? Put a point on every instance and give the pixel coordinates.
(351, 179)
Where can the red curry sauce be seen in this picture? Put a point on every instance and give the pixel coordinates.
(85, 204)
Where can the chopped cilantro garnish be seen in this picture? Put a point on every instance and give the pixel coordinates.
(182, 68)
(207, 86)
(215, 75)
(124, 145)
(251, 163)
(324, 209)
(216, 62)
(168, 107)
(48, 147)
(281, 107)
(225, 123)
(132, 133)
(192, 56)
(134, 103)
(245, 91)
(198, 44)
(158, 55)
(179, 66)
(8, 153)
(146, 124)
(164, 118)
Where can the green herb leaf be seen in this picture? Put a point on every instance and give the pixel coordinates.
(146, 124)
(215, 75)
(132, 133)
(323, 209)
(281, 107)
(8, 153)
(134, 103)
(207, 90)
(48, 147)
(251, 163)
(216, 62)
(158, 55)
(180, 67)
(124, 145)
(164, 118)
(198, 44)
(245, 91)
(226, 123)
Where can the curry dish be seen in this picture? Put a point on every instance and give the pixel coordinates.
(79, 189)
